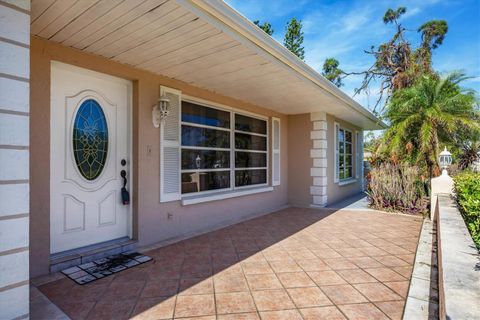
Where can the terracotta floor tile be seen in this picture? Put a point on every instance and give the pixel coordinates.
(400, 287)
(112, 310)
(322, 313)
(295, 280)
(350, 252)
(268, 300)
(313, 265)
(291, 248)
(339, 264)
(160, 288)
(198, 318)
(404, 271)
(391, 261)
(281, 315)
(235, 302)
(263, 281)
(325, 253)
(196, 286)
(409, 258)
(123, 290)
(366, 262)
(75, 310)
(239, 316)
(154, 308)
(373, 251)
(384, 274)
(276, 255)
(256, 267)
(230, 283)
(324, 278)
(308, 297)
(285, 266)
(194, 306)
(377, 292)
(301, 254)
(343, 294)
(393, 309)
(396, 250)
(356, 276)
(364, 311)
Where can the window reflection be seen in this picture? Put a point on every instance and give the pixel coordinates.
(204, 181)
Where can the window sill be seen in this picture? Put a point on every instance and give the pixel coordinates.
(221, 196)
(347, 182)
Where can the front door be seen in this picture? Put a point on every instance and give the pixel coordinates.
(90, 137)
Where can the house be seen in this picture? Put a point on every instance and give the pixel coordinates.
(151, 121)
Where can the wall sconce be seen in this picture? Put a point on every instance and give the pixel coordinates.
(445, 160)
(160, 111)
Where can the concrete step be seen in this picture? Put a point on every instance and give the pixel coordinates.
(63, 260)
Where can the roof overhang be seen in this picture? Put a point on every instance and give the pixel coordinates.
(204, 43)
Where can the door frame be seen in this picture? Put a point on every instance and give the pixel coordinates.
(130, 166)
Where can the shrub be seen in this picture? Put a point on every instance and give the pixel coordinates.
(397, 188)
(467, 189)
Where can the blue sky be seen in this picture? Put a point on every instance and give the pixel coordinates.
(344, 28)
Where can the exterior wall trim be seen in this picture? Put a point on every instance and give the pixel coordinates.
(318, 172)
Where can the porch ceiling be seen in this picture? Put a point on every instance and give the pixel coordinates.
(203, 43)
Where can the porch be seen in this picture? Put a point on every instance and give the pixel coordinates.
(291, 264)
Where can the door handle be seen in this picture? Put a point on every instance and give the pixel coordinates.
(125, 194)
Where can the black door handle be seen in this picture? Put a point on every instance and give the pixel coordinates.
(125, 194)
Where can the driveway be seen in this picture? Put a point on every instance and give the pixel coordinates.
(291, 264)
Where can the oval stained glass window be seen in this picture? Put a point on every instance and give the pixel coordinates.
(90, 139)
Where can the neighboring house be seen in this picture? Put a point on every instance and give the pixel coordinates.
(250, 129)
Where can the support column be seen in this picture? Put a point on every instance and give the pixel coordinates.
(318, 153)
(14, 158)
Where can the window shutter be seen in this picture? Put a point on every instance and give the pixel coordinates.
(170, 186)
(335, 137)
(275, 152)
(357, 154)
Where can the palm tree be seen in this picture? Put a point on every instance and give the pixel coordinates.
(426, 115)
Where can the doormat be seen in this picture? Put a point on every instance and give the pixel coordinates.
(101, 268)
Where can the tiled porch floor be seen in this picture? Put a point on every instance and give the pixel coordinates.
(292, 264)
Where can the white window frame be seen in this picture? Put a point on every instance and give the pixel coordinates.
(337, 179)
(232, 149)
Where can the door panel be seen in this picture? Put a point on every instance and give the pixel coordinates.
(89, 138)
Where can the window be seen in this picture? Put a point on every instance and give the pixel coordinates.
(221, 150)
(344, 152)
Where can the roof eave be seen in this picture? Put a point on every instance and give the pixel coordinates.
(219, 12)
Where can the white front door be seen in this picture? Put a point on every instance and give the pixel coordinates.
(90, 139)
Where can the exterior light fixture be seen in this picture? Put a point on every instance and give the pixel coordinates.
(160, 111)
(445, 160)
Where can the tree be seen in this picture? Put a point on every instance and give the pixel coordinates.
(332, 72)
(396, 64)
(426, 115)
(266, 26)
(294, 38)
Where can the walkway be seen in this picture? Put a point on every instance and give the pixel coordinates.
(292, 264)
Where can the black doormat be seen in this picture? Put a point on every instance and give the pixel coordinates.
(101, 268)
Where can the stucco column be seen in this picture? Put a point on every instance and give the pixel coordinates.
(14, 158)
(318, 153)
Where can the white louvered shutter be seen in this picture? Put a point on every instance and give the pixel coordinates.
(275, 151)
(170, 186)
(357, 154)
(335, 137)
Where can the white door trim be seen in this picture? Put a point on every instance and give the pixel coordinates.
(129, 165)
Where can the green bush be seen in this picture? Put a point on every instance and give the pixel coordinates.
(397, 188)
(467, 189)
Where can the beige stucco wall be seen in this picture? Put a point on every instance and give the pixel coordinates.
(299, 161)
(150, 217)
(336, 192)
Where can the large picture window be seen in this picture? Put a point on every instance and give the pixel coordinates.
(221, 149)
(345, 154)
